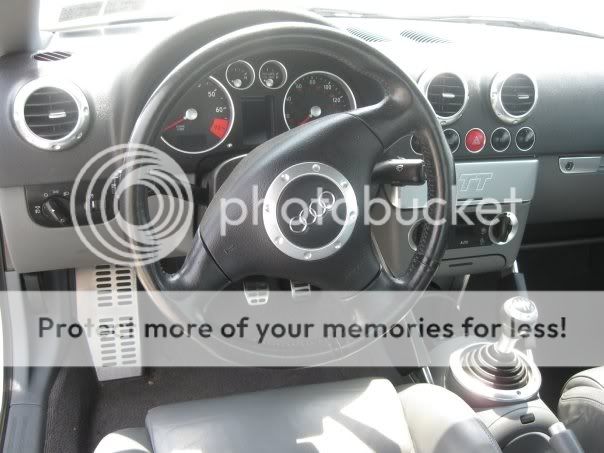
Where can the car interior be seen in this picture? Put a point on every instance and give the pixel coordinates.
(248, 101)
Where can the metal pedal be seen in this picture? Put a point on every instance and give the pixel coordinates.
(300, 289)
(256, 291)
(107, 296)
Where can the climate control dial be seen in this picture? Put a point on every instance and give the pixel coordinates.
(503, 228)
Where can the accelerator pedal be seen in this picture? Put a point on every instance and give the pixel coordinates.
(300, 289)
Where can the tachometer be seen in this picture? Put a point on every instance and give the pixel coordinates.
(315, 95)
(201, 120)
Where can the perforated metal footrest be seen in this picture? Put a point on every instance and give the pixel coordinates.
(107, 298)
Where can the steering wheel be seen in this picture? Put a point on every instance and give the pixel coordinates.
(338, 152)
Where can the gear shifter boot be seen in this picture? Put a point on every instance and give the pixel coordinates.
(498, 372)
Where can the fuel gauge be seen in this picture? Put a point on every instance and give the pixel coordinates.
(272, 74)
(240, 75)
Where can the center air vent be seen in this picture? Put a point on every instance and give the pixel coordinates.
(51, 115)
(513, 96)
(447, 93)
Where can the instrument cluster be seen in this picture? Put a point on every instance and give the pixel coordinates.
(249, 101)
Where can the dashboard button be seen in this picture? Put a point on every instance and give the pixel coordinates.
(525, 139)
(452, 139)
(475, 140)
(501, 139)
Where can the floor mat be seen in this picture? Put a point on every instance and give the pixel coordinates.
(124, 404)
(579, 268)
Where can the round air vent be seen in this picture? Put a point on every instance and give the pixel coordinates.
(513, 96)
(447, 93)
(51, 114)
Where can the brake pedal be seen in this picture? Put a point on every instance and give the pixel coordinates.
(107, 296)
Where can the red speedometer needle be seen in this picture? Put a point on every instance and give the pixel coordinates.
(189, 115)
(315, 112)
(305, 120)
(174, 124)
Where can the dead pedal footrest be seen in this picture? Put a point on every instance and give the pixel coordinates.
(107, 297)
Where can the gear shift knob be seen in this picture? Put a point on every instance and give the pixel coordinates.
(519, 311)
(518, 314)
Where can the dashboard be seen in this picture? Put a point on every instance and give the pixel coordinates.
(514, 112)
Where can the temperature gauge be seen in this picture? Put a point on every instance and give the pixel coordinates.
(272, 74)
(240, 75)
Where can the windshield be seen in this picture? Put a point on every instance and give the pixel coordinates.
(579, 15)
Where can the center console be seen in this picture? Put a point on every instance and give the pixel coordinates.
(501, 382)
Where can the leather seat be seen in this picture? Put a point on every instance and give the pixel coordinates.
(353, 416)
(581, 408)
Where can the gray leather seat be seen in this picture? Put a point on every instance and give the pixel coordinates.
(352, 416)
(581, 408)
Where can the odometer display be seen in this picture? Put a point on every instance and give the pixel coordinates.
(201, 120)
(315, 95)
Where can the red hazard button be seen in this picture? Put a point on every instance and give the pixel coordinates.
(475, 140)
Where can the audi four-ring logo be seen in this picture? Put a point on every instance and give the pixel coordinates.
(317, 208)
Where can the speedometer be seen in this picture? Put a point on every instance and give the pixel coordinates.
(315, 95)
(201, 120)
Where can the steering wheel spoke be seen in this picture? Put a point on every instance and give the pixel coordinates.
(392, 118)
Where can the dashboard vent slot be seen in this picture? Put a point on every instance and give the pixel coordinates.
(518, 94)
(51, 113)
(366, 35)
(423, 38)
(51, 56)
(447, 94)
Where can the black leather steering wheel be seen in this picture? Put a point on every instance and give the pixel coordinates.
(341, 148)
